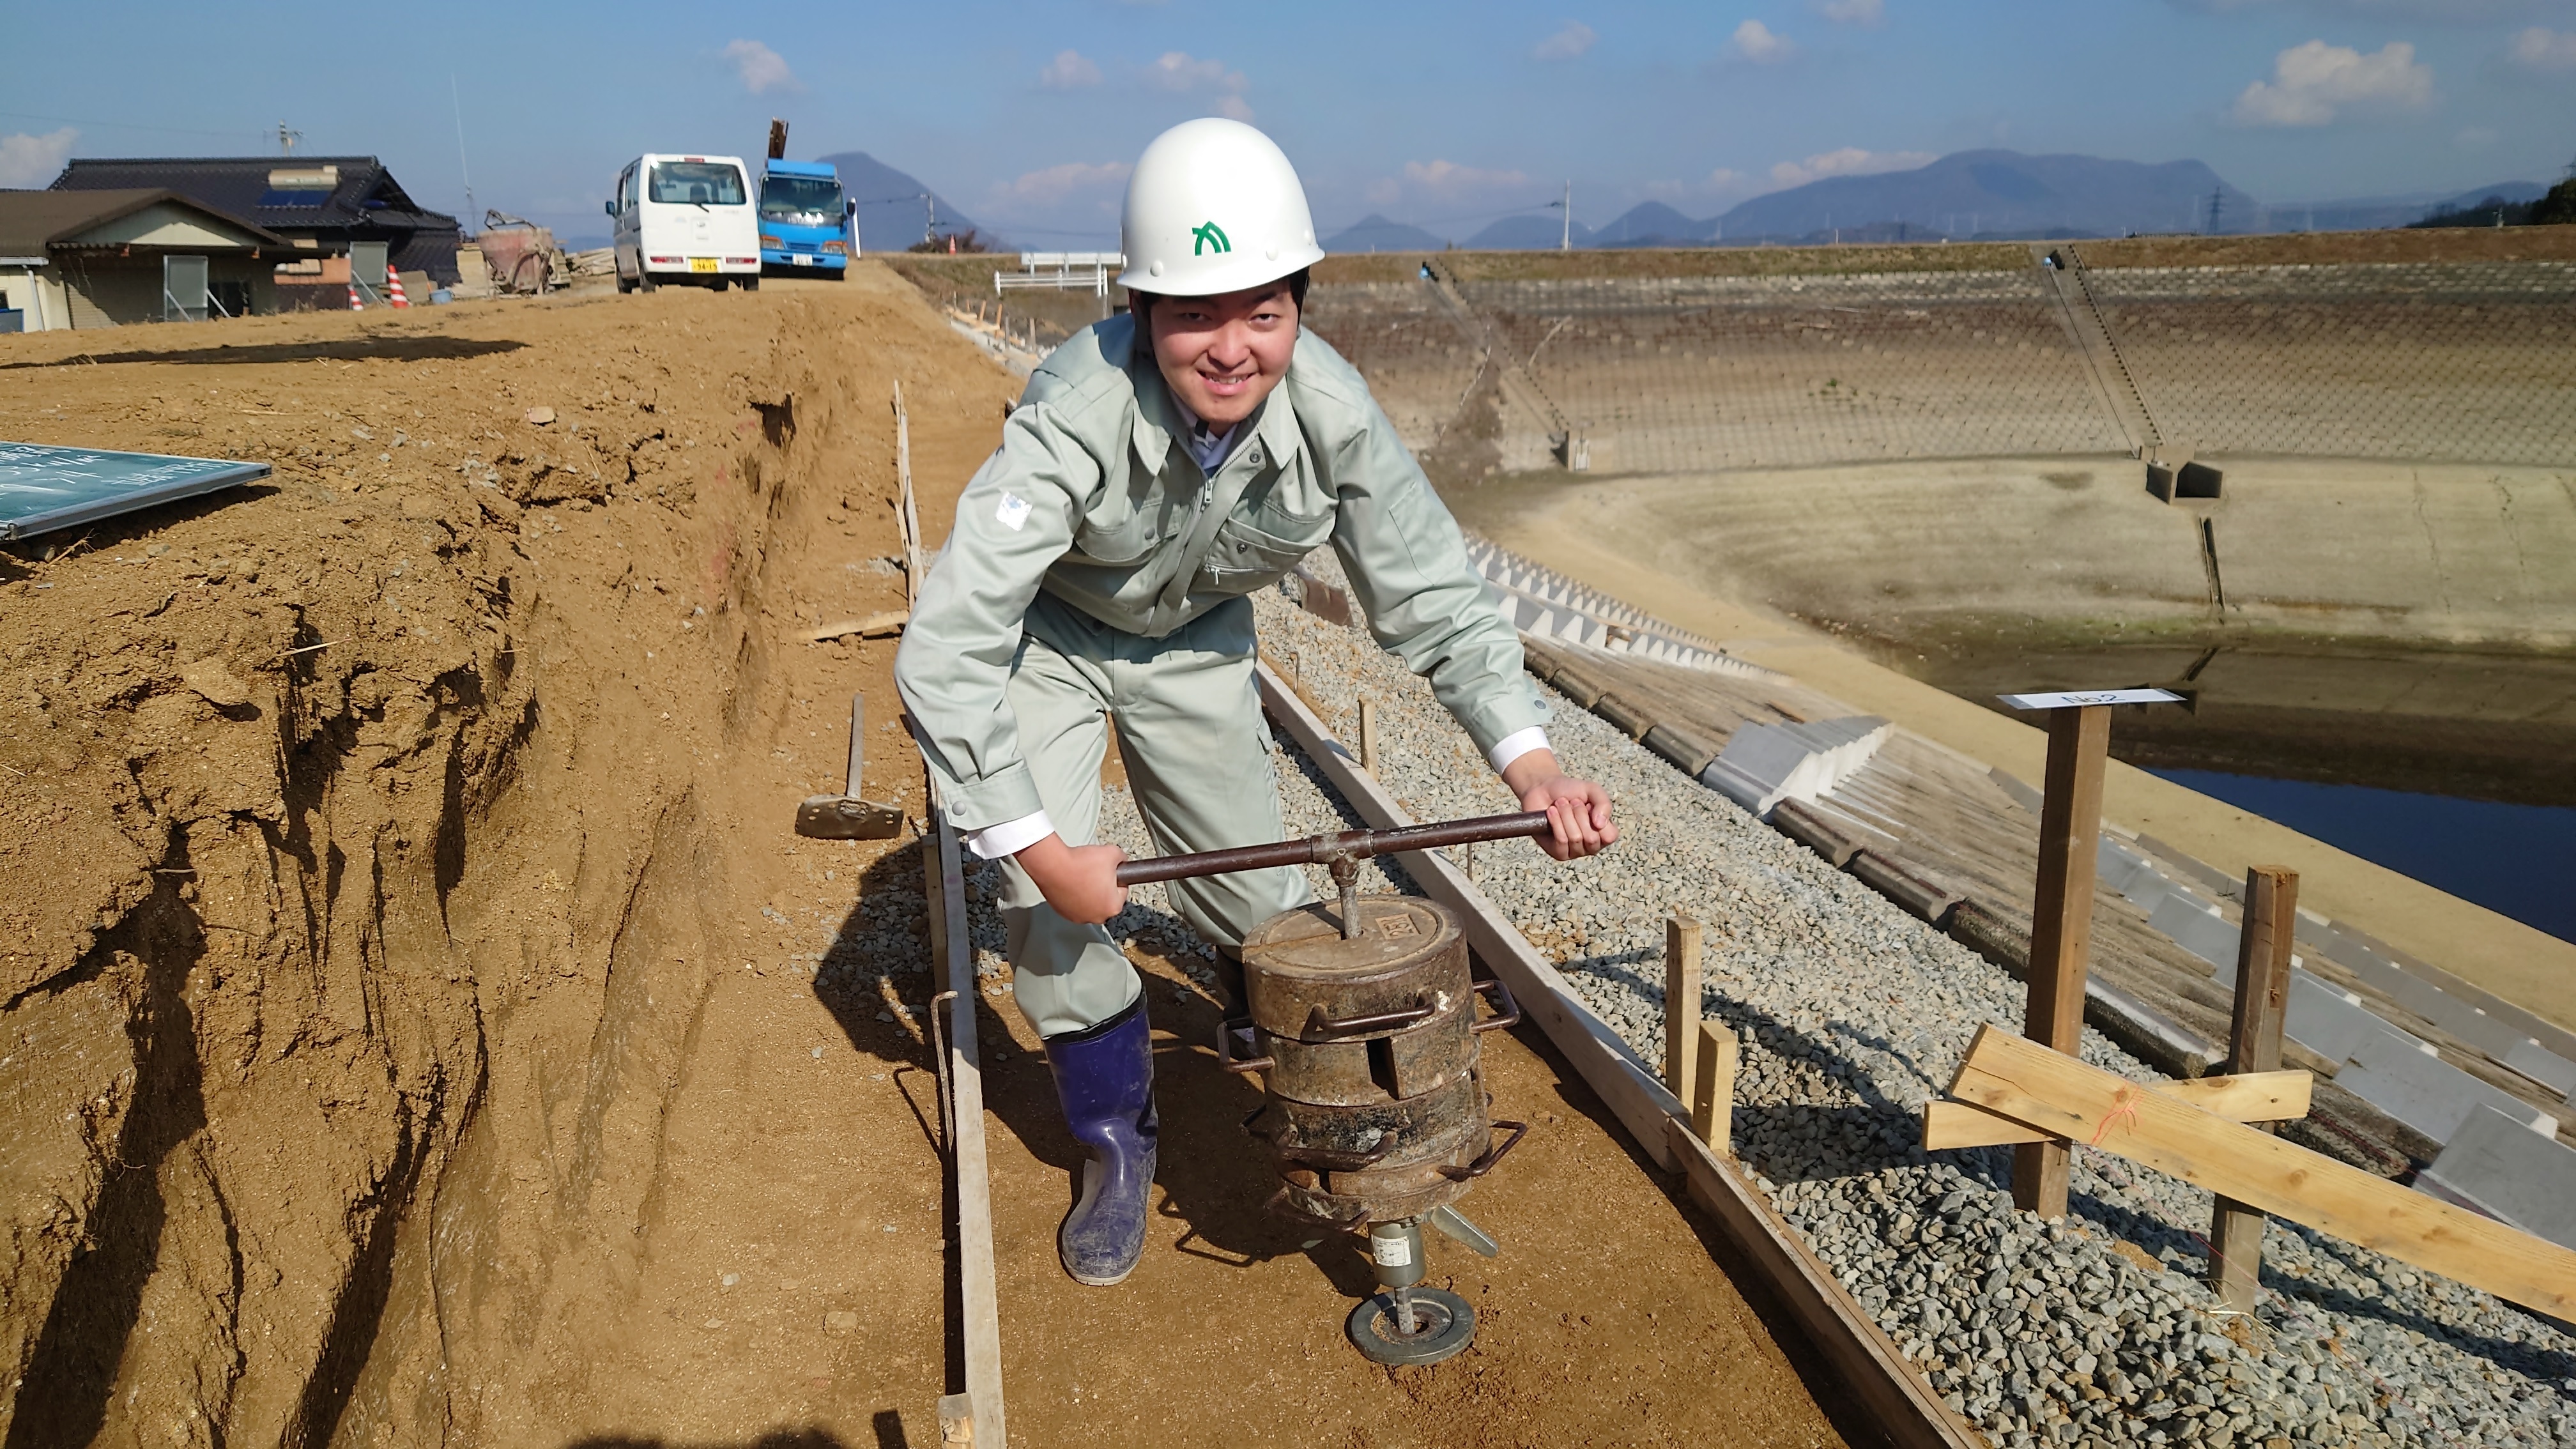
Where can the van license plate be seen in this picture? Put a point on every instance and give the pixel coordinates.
(702, 264)
(804, 261)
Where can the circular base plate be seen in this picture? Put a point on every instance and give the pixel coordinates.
(1446, 1323)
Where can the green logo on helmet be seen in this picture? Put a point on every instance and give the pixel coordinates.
(1211, 237)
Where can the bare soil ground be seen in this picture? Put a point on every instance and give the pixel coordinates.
(421, 1026)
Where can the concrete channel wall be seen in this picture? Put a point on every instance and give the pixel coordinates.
(2423, 361)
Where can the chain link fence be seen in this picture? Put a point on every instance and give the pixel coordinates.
(2455, 362)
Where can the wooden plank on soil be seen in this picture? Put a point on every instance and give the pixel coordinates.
(1912, 1415)
(2252, 1097)
(2069, 1099)
(977, 1296)
(979, 1420)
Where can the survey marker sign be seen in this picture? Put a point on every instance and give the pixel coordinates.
(45, 488)
(2079, 698)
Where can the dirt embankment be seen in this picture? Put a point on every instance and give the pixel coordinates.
(363, 921)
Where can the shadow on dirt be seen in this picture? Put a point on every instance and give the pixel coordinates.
(807, 1438)
(349, 349)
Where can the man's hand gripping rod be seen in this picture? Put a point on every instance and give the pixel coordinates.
(1342, 853)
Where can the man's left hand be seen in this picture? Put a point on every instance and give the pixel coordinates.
(1578, 810)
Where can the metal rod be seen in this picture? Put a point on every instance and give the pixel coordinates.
(1324, 849)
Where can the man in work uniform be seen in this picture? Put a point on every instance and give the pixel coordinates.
(1160, 467)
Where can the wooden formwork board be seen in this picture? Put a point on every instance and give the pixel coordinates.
(1904, 1403)
(978, 1299)
(975, 1416)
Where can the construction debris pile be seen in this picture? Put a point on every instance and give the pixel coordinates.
(1851, 1015)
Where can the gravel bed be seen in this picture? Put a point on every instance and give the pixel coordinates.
(1851, 1014)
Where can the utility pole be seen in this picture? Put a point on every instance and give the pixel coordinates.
(458, 104)
(2217, 198)
(929, 218)
(286, 139)
(1565, 243)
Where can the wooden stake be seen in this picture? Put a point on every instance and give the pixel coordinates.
(1368, 736)
(2254, 1045)
(1681, 1004)
(2061, 927)
(1712, 1096)
(906, 514)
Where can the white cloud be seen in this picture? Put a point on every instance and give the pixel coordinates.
(2542, 49)
(1868, 14)
(1566, 44)
(1056, 183)
(761, 68)
(1759, 44)
(2313, 83)
(27, 160)
(1448, 178)
(1849, 161)
(1176, 70)
(1068, 71)
(2449, 12)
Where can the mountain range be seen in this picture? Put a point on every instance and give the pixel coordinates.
(1988, 194)
(891, 215)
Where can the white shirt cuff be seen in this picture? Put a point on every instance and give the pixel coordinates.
(1516, 744)
(1010, 837)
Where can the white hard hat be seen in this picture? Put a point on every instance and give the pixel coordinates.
(1214, 206)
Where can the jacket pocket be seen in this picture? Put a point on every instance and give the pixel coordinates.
(1244, 557)
(1125, 542)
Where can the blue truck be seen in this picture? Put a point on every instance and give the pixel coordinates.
(807, 227)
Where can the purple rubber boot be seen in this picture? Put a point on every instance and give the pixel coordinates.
(1104, 1076)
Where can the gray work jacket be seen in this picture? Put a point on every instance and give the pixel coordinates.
(1094, 497)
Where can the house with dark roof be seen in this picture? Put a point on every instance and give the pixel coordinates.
(322, 204)
(107, 258)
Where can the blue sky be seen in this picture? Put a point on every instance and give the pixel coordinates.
(1025, 115)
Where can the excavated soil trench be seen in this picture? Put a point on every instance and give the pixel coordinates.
(422, 1027)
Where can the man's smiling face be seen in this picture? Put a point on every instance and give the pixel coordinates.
(1222, 355)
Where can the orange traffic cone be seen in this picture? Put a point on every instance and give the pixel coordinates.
(393, 287)
(354, 304)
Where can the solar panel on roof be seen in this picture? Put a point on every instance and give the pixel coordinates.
(294, 198)
(45, 488)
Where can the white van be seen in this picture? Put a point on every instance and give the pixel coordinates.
(685, 219)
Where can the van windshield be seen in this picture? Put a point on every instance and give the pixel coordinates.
(810, 200)
(704, 183)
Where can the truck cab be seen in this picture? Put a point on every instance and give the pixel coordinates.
(807, 227)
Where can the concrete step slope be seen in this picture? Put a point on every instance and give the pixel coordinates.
(2494, 1166)
(1763, 765)
(1543, 602)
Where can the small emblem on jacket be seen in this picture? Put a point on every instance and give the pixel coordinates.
(1013, 512)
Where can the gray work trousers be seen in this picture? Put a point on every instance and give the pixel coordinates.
(1198, 762)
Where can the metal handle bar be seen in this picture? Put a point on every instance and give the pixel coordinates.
(1225, 1056)
(1492, 1155)
(1325, 849)
(1506, 1015)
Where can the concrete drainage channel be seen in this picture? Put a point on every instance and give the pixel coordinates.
(1851, 1013)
